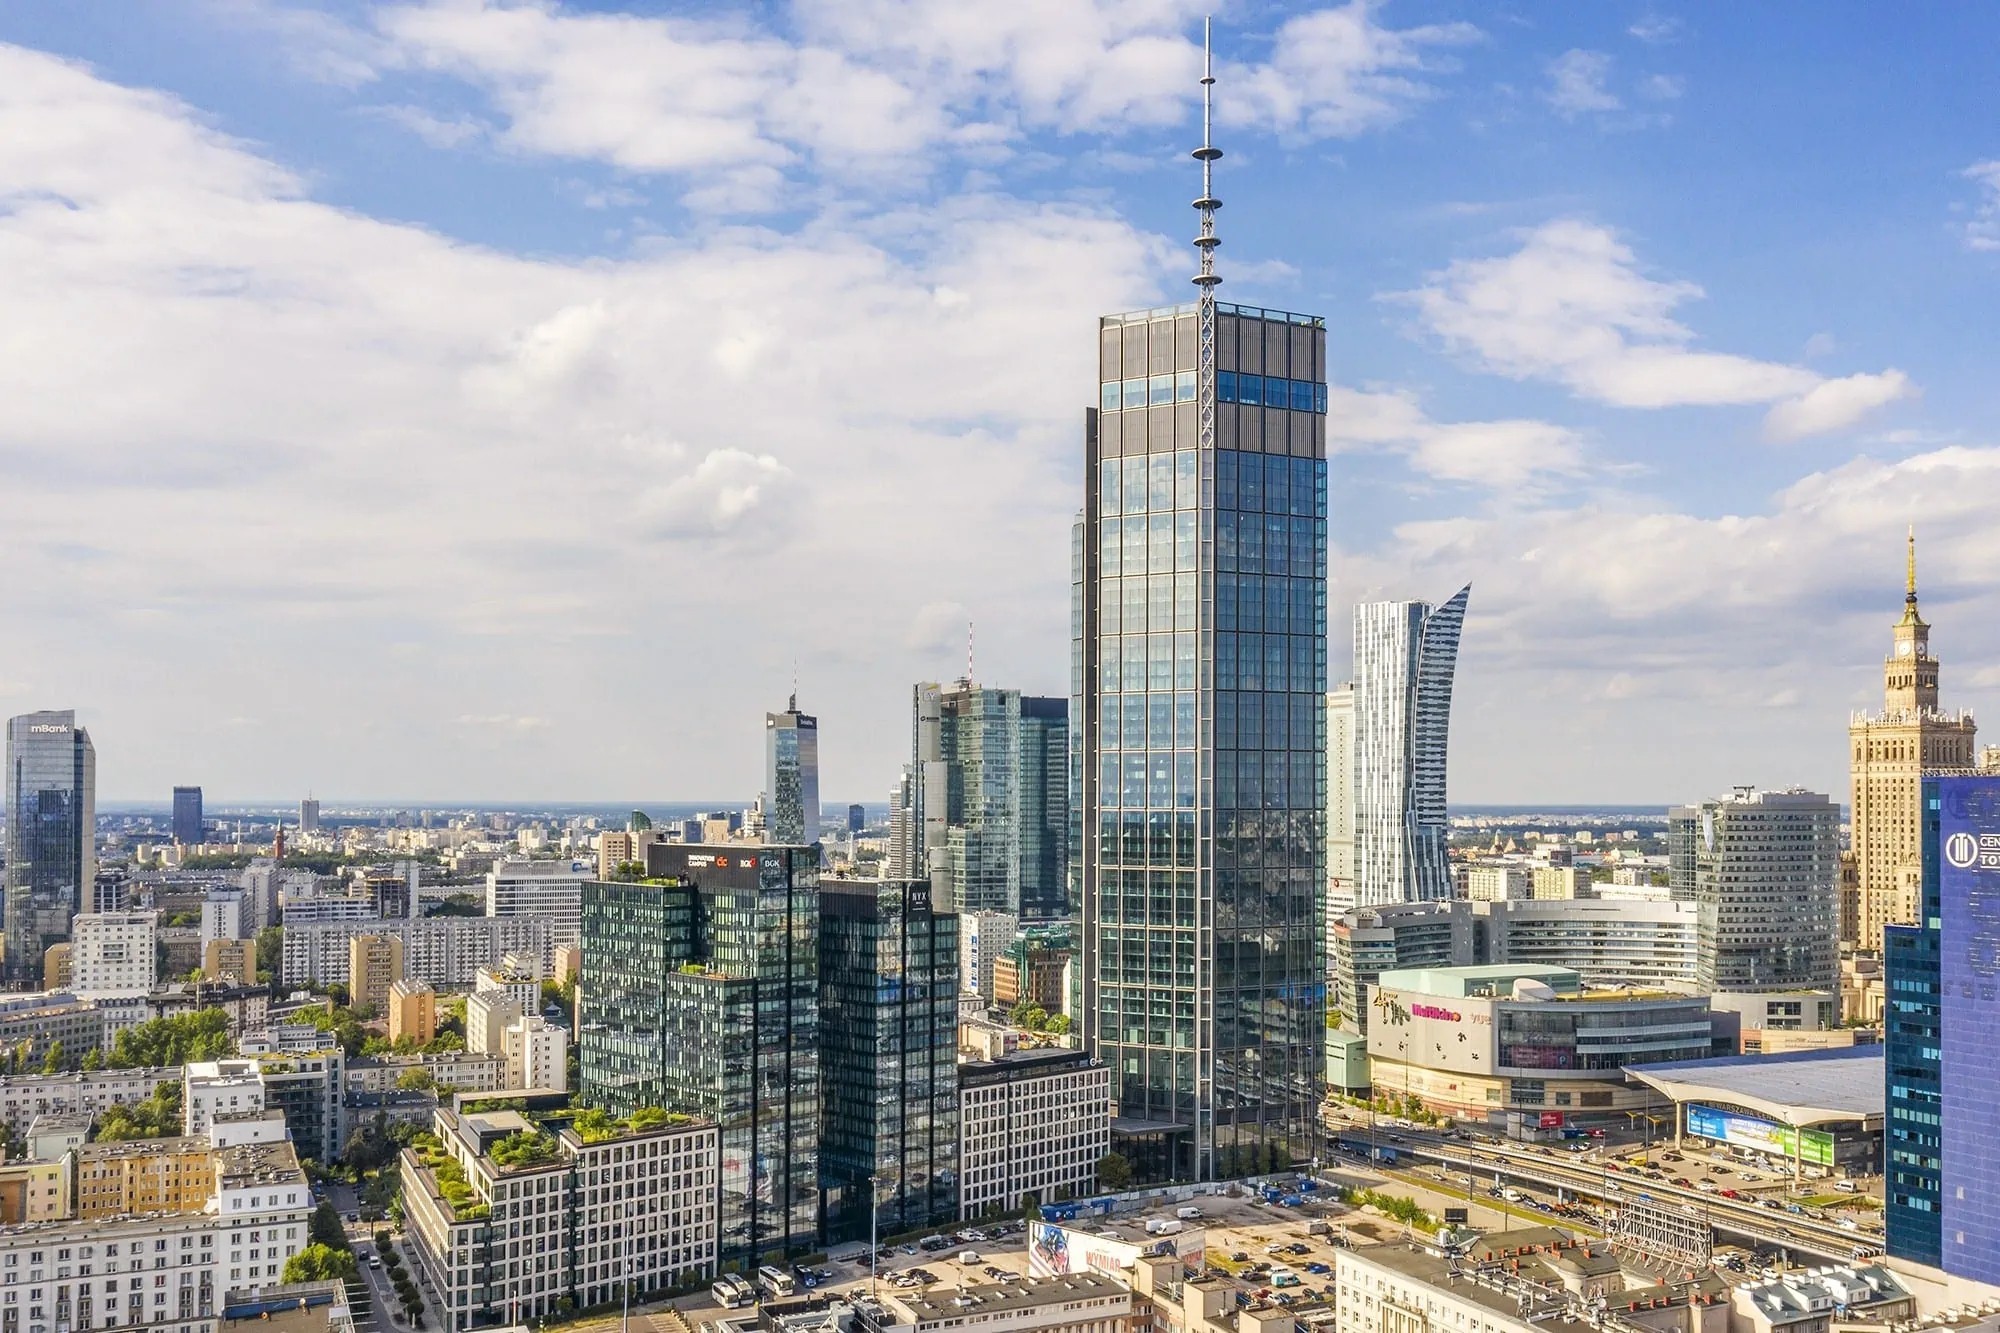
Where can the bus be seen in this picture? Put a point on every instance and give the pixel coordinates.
(732, 1292)
(777, 1281)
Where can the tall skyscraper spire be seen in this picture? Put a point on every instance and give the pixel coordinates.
(1207, 154)
(1199, 762)
(1910, 593)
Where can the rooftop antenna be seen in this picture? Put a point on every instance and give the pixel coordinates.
(1207, 279)
(1910, 591)
(968, 652)
(792, 704)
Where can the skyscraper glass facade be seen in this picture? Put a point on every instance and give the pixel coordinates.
(700, 994)
(888, 969)
(1943, 1006)
(989, 794)
(1405, 659)
(188, 821)
(51, 834)
(791, 777)
(1199, 723)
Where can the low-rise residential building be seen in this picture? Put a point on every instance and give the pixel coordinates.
(461, 1071)
(144, 1176)
(1072, 1303)
(25, 1097)
(34, 1189)
(512, 1222)
(167, 1268)
(212, 1088)
(1033, 1123)
(1811, 1300)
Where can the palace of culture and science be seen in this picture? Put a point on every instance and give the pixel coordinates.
(1890, 752)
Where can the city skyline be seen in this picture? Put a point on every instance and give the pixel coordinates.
(1680, 485)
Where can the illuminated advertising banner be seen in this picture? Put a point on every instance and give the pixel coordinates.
(1759, 1135)
(1968, 861)
(1054, 1249)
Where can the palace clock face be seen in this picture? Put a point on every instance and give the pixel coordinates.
(1902, 650)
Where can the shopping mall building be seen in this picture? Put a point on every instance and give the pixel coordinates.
(1525, 1048)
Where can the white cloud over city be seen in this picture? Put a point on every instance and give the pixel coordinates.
(460, 519)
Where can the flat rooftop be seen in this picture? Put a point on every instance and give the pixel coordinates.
(994, 1298)
(1435, 1270)
(1796, 1088)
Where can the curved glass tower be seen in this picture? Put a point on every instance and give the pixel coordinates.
(1405, 656)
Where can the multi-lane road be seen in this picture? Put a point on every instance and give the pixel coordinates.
(1744, 1218)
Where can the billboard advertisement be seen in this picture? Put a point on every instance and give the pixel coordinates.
(1055, 1249)
(1968, 863)
(1813, 1147)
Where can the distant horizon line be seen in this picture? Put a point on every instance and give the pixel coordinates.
(269, 805)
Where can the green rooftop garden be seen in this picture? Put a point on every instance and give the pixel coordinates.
(453, 1188)
(595, 1126)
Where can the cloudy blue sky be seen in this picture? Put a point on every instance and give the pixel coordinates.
(484, 400)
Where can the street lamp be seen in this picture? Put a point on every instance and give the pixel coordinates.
(874, 1214)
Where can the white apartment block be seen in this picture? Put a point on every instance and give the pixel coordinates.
(213, 1088)
(26, 1096)
(523, 988)
(164, 1271)
(1036, 1122)
(225, 916)
(537, 1054)
(306, 911)
(640, 1207)
(487, 1014)
(112, 954)
(446, 951)
(982, 938)
(456, 1069)
(1497, 884)
(551, 890)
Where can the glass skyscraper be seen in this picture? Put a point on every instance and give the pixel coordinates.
(700, 994)
(1198, 718)
(51, 832)
(1405, 658)
(989, 800)
(1942, 979)
(188, 821)
(791, 777)
(888, 969)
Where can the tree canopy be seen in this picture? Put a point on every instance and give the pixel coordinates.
(320, 1263)
(176, 1039)
(157, 1117)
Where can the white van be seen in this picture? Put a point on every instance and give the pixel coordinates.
(1846, 1187)
(968, 1256)
(1187, 1214)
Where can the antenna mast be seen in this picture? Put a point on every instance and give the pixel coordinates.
(1206, 155)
